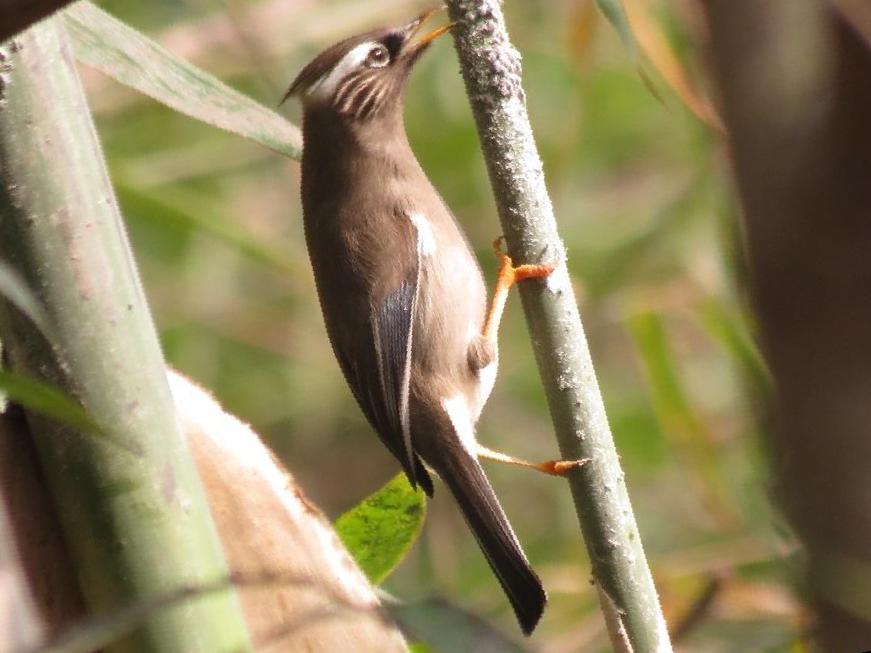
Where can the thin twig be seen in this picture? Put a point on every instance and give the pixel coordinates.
(491, 69)
(98, 632)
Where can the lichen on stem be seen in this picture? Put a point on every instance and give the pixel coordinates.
(491, 69)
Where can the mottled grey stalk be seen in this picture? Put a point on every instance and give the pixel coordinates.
(131, 506)
(491, 69)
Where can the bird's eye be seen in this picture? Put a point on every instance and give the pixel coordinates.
(378, 57)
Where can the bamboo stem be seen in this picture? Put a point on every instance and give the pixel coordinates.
(134, 513)
(491, 69)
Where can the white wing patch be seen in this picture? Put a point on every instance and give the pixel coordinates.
(457, 409)
(426, 242)
(326, 85)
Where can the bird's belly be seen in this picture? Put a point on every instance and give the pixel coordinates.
(447, 327)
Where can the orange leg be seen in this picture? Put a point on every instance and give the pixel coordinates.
(508, 275)
(552, 467)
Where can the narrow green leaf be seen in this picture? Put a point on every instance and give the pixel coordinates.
(669, 394)
(613, 11)
(681, 424)
(446, 628)
(131, 58)
(726, 327)
(619, 19)
(47, 400)
(173, 208)
(380, 530)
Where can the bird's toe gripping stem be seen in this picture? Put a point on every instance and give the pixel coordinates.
(509, 274)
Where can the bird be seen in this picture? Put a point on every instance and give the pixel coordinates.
(403, 298)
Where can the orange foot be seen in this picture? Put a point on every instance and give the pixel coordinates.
(509, 274)
(552, 467)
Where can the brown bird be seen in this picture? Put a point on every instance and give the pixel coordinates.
(402, 295)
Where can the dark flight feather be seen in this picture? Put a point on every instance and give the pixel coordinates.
(466, 480)
(392, 331)
(378, 373)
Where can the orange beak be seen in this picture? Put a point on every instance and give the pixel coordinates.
(431, 36)
(426, 38)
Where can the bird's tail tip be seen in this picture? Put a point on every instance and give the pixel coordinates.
(529, 606)
(488, 522)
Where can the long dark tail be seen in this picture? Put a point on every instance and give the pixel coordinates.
(467, 482)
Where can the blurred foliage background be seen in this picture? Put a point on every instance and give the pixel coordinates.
(641, 189)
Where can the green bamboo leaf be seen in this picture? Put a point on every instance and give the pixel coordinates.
(380, 530)
(726, 327)
(175, 209)
(131, 58)
(445, 628)
(678, 420)
(615, 13)
(46, 400)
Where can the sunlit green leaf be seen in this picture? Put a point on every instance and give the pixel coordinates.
(380, 530)
(419, 647)
(134, 60)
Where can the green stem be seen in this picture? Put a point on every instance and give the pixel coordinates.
(491, 69)
(132, 508)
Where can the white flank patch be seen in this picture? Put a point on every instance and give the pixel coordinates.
(486, 375)
(486, 380)
(326, 85)
(457, 409)
(426, 242)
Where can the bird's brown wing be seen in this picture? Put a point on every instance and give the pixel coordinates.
(377, 365)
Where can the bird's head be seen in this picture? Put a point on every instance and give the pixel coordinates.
(360, 77)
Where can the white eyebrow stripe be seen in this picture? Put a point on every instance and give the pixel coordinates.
(326, 85)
